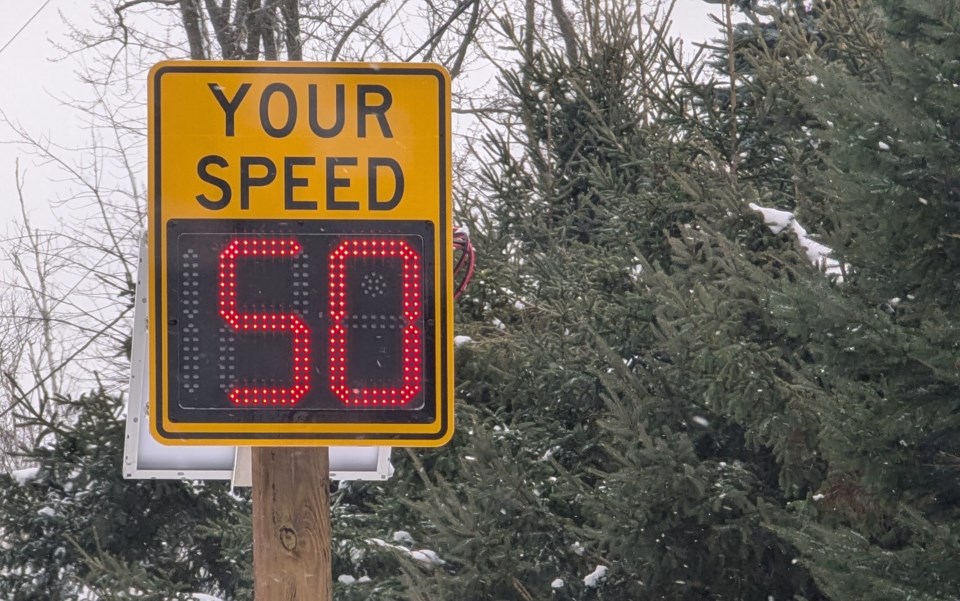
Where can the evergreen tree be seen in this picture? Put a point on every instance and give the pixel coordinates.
(879, 347)
(886, 527)
(749, 108)
(631, 407)
(676, 393)
(72, 527)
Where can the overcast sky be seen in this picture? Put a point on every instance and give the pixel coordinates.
(31, 78)
(35, 77)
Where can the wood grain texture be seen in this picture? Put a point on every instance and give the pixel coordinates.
(291, 524)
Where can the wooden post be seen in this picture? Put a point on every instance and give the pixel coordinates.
(291, 524)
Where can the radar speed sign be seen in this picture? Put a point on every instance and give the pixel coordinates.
(300, 254)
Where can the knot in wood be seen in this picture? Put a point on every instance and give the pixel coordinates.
(288, 538)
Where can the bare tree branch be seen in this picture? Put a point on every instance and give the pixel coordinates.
(268, 28)
(529, 16)
(191, 16)
(353, 27)
(226, 35)
(567, 32)
(431, 41)
(252, 25)
(468, 38)
(290, 10)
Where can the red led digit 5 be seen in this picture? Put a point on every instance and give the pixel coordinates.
(247, 248)
(350, 255)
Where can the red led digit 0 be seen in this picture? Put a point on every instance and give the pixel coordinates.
(264, 322)
(352, 252)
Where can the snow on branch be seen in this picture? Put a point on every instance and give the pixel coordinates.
(819, 254)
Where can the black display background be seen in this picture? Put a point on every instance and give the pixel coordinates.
(201, 343)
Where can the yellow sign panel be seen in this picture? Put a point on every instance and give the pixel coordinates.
(300, 254)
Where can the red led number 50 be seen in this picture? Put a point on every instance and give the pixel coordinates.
(343, 259)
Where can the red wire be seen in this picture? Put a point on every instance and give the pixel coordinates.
(463, 269)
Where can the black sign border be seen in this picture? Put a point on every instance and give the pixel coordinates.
(411, 438)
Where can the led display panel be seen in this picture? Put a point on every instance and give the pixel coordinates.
(283, 318)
